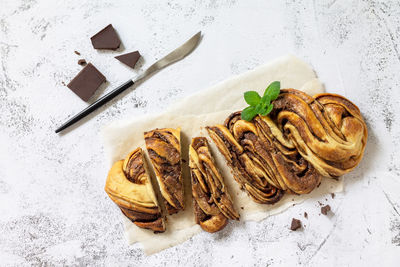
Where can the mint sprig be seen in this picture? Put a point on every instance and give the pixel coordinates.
(260, 105)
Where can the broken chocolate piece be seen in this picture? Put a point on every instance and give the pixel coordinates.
(82, 62)
(76, 52)
(107, 38)
(129, 59)
(86, 82)
(325, 209)
(296, 224)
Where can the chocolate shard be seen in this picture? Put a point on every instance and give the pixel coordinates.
(107, 38)
(129, 59)
(325, 209)
(86, 82)
(296, 224)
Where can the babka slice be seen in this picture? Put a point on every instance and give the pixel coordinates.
(129, 186)
(211, 201)
(248, 172)
(164, 148)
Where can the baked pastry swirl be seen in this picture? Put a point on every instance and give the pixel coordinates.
(129, 186)
(211, 201)
(164, 148)
(247, 170)
(279, 161)
(327, 129)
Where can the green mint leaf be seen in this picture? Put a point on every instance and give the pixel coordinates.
(249, 113)
(259, 108)
(265, 100)
(268, 110)
(260, 105)
(252, 98)
(273, 90)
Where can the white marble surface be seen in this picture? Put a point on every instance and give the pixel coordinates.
(52, 204)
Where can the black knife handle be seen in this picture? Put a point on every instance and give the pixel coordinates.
(95, 105)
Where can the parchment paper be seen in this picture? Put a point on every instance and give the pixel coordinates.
(208, 107)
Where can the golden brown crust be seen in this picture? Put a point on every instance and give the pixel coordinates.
(251, 175)
(163, 146)
(274, 158)
(212, 203)
(287, 169)
(328, 130)
(129, 186)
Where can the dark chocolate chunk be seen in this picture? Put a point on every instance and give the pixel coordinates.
(107, 38)
(296, 224)
(76, 52)
(325, 209)
(86, 82)
(82, 62)
(129, 59)
(305, 215)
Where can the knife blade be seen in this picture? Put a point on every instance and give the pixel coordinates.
(176, 55)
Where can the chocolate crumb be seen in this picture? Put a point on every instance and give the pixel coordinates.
(76, 52)
(320, 203)
(325, 209)
(333, 195)
(242, 208)
(296, 224)
(305, 215)
(82, 62)
(184, 160)
(63, 83)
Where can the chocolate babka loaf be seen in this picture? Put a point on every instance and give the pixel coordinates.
(212, 203)
(303, 139)
(129, 186)
(164, 148)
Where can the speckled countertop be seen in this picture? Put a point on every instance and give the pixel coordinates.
(52, 204)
